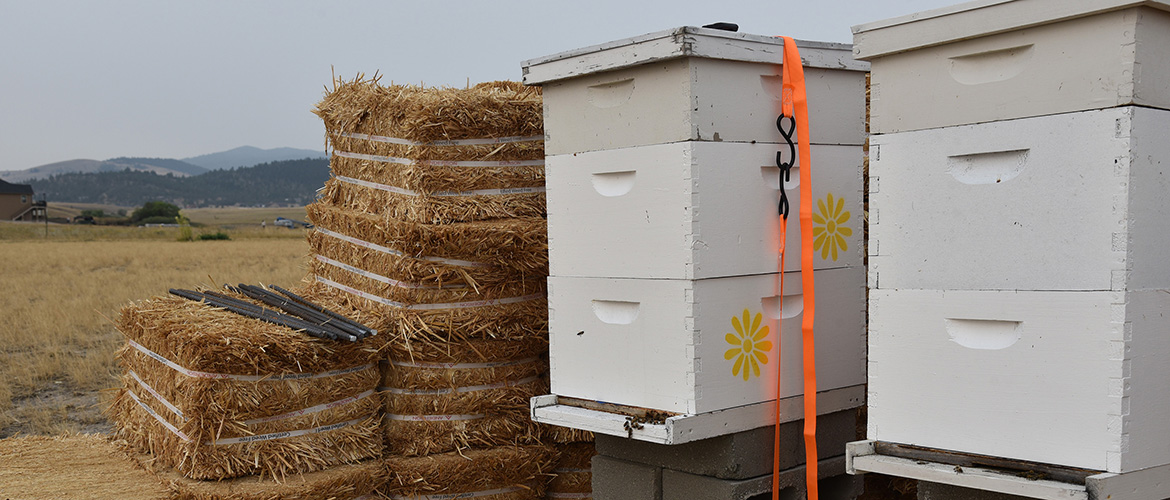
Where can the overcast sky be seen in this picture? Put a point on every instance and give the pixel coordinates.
(102, 79)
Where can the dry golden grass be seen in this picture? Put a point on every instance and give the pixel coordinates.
(56, 345)
(239, 217)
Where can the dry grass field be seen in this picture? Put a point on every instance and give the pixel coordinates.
(60, 288)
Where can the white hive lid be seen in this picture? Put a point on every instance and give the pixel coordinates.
(687, 41)
(975, 19)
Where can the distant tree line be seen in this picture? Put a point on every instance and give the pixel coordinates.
(292, 182)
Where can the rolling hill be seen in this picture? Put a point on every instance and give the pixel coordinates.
(157, 165)
(283, 183)
(247, 156)
(243, 156)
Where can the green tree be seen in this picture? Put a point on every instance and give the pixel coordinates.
(155, 209)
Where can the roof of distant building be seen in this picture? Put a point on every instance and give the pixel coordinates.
(10, 188)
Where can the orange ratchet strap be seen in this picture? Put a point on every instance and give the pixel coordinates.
(794, 105)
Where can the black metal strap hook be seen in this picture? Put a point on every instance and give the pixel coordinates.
(785, 166)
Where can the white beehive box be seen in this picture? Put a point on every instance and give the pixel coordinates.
(1075, 201)
(692, 84)
(1068, 378)
(692, 210)
(673, 345)
(995, 59)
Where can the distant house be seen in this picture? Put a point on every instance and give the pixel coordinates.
(16, 203)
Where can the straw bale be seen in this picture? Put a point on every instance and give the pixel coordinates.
(198, 458)
(421, 176)
(469, 351)
(412, 270)
(558, 434)
(574, 470)
(421, 114)
(508, 400)
(428, 294)
(431, 209)
(576, 455)
(203, 338)
(343, 482)
(503, 410)
(471, 471)
(413, 438)
(216, 399)
(401, 373)
(402, 329)
(200, 338)
(72, 467)
(519, 244)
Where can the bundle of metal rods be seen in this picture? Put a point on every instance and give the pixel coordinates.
(298, 312)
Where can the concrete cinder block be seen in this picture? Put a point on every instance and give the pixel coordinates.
(615, 479)
(939, 491)
(737, 456)
(833, 484)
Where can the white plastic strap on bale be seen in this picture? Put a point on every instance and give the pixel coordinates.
(314, 409)
(396, 253)
(286, 434)
(262, 437)
(440, 163)
(246, 378)
(456, 142)
(158, 417)
(427, 307)
(433, 418)
(460, 390)
(407, 192)
(158, 396)
(453, 496)
(464, 366)
(383, 279)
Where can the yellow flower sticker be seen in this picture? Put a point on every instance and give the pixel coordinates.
(751, 350)
(829, 231)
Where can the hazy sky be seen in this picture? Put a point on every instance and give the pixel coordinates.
(99, 79)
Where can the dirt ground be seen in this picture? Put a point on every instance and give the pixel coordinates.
(61, 407)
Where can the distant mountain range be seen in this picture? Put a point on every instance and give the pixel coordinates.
(244, 156)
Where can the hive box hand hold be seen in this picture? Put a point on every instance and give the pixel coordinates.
(697, 346)
(691, 84)
(1075, 201)
(1066, 378)
(693, 210)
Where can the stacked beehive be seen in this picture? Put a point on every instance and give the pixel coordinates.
(663, 189)
(432, 228)
(214, 395)
(1019, 224)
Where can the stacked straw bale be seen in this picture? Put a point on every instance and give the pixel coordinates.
(432, 227)
(500, 473)
(215, 395)
(573, 472)
(343, 482)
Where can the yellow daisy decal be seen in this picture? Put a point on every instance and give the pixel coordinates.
(750, 349)
(829, 230)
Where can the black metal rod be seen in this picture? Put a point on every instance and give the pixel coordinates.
(254, 311)
(259, 313)
(295, 309)
(323, 310)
